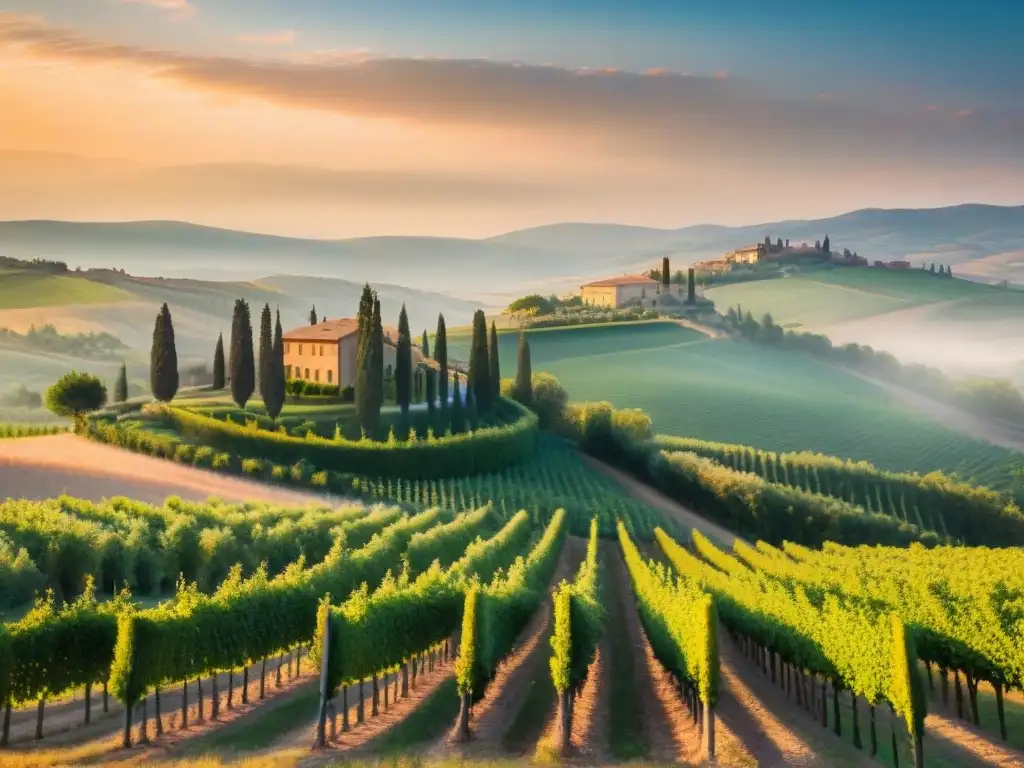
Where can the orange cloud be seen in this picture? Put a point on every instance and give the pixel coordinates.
(626, 112)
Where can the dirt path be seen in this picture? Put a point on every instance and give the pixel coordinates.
(996, 432)
(972, 746)
(589, 738)
(667, 732)
(653, 498)
(707, 330)
(46, 467)
(767, 729)
(496, 711)
(63, 724)
(362, 736)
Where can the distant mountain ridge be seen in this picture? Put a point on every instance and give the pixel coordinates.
(552, 257)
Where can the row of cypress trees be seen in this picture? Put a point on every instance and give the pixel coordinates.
(243, 373)
(241, 368)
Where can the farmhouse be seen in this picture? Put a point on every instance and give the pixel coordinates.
(326, 352)
(619, 291)
(749, 255)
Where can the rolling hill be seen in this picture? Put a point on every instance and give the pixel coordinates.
(982, 241)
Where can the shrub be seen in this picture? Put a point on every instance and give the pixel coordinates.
(203, 456)
(76, 394)
(184, 453)
(252, 466)
(549, 400)
(222, 461)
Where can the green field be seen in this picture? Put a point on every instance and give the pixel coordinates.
(20, 289)
(826, 297)
(731, 391)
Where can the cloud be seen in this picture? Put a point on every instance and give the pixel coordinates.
(655, 113)
(282, 37)
(179, 8)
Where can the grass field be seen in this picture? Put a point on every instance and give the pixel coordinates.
(822, 298)
(33, 289)
(737, 392)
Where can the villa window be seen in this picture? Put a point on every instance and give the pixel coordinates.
(321, 350)
(300, 349)
(286, 348)
(317, 372)
(288, 371)
(307, 374)
(330, 377)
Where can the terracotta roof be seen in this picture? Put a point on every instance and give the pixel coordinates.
(330, 330)
(611, 282)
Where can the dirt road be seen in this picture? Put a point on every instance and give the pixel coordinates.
(46, 467)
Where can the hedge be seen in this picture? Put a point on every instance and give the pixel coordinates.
(973, 515)
(487, 450)
(757, 509)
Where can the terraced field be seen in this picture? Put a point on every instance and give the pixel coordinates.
(731, 391)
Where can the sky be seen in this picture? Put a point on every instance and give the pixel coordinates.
(339, 118)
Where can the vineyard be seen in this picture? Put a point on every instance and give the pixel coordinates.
(441, 632)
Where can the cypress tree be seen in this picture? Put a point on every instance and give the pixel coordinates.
(403, 364)
(312, 315)
(364, 382)
(472, 414)
(425, 344)
(523, 391)
(665, 273)
(825, 246)
(377, 361)
(479, 379)
(121, 385)
(494, 368)
(241, 364)
(441, 355)
(163, 366)
(691, 285)
(273, 400)
(219, 377)
(266, 371)
(456, 409)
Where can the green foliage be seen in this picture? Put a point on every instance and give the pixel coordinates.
(549, 400)
(679, 619)
(30, 430)
(75, 394)
(241, 364)
(857, 644)
(479, 376)
(372, 632)
(960, 602)
(522, 391)
(441, 356)
(163, 366)
(121, 385)
(273, 399)
(264, 366)
(504, 606)
(403, 363)
(219, 367)
(66, 541)
(445, 544)
(247, 619)
(534, 304)
(486, 450)
(494, 362)
(753, 507)
(51, 651)
(578, 621)
(466, 663)
(936, 502)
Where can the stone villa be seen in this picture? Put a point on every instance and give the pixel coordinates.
(326, 352)
(616, 292)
